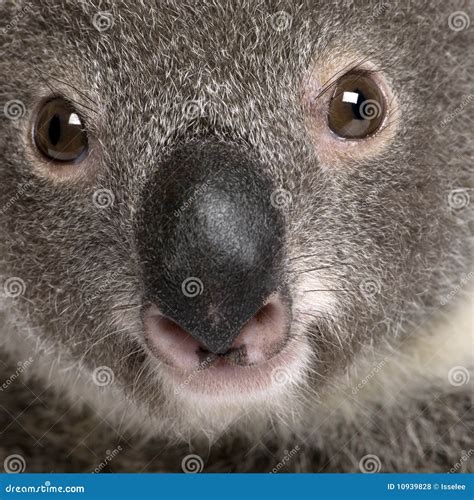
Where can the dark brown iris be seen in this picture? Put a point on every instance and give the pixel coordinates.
(357, 107)
(59, 132)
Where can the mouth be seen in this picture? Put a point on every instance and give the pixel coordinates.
(261, 358)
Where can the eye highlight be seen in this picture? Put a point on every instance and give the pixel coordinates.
(357, 108)
(59, 132)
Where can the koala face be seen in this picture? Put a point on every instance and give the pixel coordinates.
(221, 206)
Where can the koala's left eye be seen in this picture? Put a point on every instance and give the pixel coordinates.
(59, 132)
(357, 108)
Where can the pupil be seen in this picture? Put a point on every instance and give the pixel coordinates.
(356, 106)
(54, 130)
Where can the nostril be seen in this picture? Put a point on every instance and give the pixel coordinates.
(261, 338)
(266, 332)
(169, 342)
(170, 327)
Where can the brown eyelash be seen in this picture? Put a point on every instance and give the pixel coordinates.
(350, 67)
(87, 111)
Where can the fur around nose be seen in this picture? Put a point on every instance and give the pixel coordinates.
(210, 240)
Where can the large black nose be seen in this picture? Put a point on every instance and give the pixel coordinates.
(210, 240)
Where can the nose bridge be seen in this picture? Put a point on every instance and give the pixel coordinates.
(210, 240)
(225, 223)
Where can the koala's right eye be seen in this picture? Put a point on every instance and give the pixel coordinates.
(59, 132)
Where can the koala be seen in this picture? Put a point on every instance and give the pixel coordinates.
(236, 236)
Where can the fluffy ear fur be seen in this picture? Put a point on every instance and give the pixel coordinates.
(378, 243)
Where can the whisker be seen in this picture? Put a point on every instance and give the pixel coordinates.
(326, 316)
(323, 267)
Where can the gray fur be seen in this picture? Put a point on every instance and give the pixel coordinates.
(384, 218)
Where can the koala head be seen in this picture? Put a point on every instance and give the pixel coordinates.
(211, 210)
